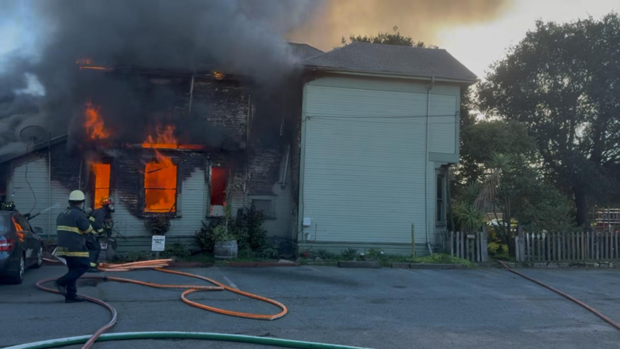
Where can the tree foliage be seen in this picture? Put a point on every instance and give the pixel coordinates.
(563, 82)
(479, 141)
(394, 38)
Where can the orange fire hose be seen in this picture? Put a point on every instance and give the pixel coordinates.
(159, 265)
(569, 297)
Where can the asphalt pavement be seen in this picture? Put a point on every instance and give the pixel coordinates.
(386, 308)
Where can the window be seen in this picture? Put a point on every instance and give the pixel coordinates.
(101, 173)
(219, 181)
(440, 204)
(160, 187)
(265, 206)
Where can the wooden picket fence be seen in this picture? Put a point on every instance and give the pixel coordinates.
(567, 247)
(470, 246)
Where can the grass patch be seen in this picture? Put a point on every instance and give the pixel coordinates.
(441, 258)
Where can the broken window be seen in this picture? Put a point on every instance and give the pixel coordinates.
(439, 207)
(160, 187)
(101, 190)
(219, 181)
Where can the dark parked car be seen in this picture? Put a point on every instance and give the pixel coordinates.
(20, 247)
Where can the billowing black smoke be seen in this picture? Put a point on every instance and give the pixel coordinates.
(41, 84)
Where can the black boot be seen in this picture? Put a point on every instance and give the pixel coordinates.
(74, 300)
(61, 289)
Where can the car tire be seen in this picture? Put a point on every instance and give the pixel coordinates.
(39, 258)
(17, 277)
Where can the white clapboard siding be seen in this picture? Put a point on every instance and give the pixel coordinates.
(364, 171)
(442, 123)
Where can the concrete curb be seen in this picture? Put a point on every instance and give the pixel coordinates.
(360, 264)
(564, 265)
(427, 266)
(260, 264)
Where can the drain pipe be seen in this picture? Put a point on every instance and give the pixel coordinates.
(428, 111)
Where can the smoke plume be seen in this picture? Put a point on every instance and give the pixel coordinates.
(40, 42)
(43, 40)
(421, 19)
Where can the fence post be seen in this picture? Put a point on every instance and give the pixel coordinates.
(485, 245)
(451, 243)
(617, 252)
(479, 246)
(609, 245)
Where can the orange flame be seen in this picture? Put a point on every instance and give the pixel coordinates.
(94, 123)
(160, 177)
(102, 182)
(218, 75)
(165, 138)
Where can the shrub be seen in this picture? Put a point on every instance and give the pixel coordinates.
(349, 253)
(204, 238)
(176, 250)
(157, 225)
(249, 228)
(325, 254)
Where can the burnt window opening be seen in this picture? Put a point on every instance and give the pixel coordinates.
(101, 183)
(160, 187)
(219, 181)
(440, 201)
(266, 206)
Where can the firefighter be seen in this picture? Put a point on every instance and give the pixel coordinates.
(72, 228)
(100, 219)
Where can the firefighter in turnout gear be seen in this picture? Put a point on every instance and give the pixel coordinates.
(99, 219)
(72, 229)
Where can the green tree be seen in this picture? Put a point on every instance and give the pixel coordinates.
(479, 140)
(563, 82)
(394, 38)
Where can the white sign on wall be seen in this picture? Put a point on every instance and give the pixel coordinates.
(158, 243)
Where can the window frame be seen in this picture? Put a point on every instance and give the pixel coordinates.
(177, 212)
(93, 185)
(440, 202)
(273, 214)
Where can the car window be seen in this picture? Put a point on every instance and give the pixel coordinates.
(19, 219)
(4, 223)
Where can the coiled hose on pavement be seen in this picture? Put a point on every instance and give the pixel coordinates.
(159, 265)
(569, 297)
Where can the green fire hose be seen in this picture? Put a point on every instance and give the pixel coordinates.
(276, 342)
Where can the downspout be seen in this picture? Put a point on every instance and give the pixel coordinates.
(191, 96)
(428, 111)
(49, 184)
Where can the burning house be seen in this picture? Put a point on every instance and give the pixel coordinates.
(350, 150)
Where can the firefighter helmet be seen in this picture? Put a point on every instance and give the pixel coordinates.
(77, 195)
(106, 201)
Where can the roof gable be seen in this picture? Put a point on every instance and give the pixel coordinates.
(393, 60)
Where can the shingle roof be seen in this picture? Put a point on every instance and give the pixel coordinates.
(393, 60)
(304, 51)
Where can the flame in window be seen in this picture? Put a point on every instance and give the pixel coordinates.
(102, 183)
(160, 177)
(93, 123)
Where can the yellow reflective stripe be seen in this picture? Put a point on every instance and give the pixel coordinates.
(62, 251)
(99, 231)
(93, 265)
(92, 219)
(68, 228)
(90, 229)
(72, 254)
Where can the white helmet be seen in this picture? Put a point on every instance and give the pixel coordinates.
(77, 195)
